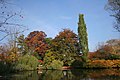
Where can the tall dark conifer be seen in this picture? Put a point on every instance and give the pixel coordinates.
(83, 38)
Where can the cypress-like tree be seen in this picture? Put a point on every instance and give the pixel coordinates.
(83, 39)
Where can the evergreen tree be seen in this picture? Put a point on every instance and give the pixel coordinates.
(83, 39)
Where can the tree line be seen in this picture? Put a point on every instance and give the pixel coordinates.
(66, 49)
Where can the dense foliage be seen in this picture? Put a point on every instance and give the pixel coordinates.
(49, 57)
(8, 55)
(103, 64)
(6, 68)
(65, 44)
(36, 41)
(108, 51)
(83, 39)
(26, 62)
(36, 50)
(22, 46)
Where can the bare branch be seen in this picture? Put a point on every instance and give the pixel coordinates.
(7, 20)
(4, 37)
(113, 6)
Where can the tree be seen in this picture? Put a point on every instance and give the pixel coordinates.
(26, 62)
(83, 40)
(114, 7)
(50, 56)
(8, 54)
(9, 17)
(115, 44)
(3, 52)
(36, 41)
(49, 41)
(22, 46)
(10, 50)
(66, 44)
(109, 50)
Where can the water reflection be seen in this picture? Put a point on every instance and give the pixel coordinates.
(82, 74)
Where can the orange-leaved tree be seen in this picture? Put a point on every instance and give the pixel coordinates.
(109, 50)
(36, 41)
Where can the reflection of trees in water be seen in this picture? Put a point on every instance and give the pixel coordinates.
(52, 75)
(108, 74)
(58, 75)
(97, 74)
(78, 74)
(27, 75)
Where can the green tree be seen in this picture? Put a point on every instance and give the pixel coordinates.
(26, 62)
(51, 60)
(65, 44)
(83, 39)
(49, 42)
(22, 46)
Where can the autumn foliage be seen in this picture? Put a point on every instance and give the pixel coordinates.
(8, 55)
(108, 51)
(36, 41)
(65, 40)
(103, 64)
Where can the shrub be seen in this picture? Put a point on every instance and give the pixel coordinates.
(103, 64)
(56, 64)
(106, 52)
(49, 57)
(114, 57)
(22, 67)
(27, 62)
(37, 55)
(5, 68)
(77, 64)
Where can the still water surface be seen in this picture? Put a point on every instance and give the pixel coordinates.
(81, 74)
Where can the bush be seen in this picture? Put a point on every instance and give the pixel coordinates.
(77, 64)
(56, 64)
(103, 64)
(49, 57)
(22, 67)
(114, 57)
(27, 62)
(37, 55)
(5, 68)
(108, 51)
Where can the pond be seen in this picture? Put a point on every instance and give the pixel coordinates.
(75, 74)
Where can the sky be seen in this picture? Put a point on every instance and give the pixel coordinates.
(51, 16)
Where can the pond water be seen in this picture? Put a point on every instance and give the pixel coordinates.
(76, 74)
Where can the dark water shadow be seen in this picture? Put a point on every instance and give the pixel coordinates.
(74, 74)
